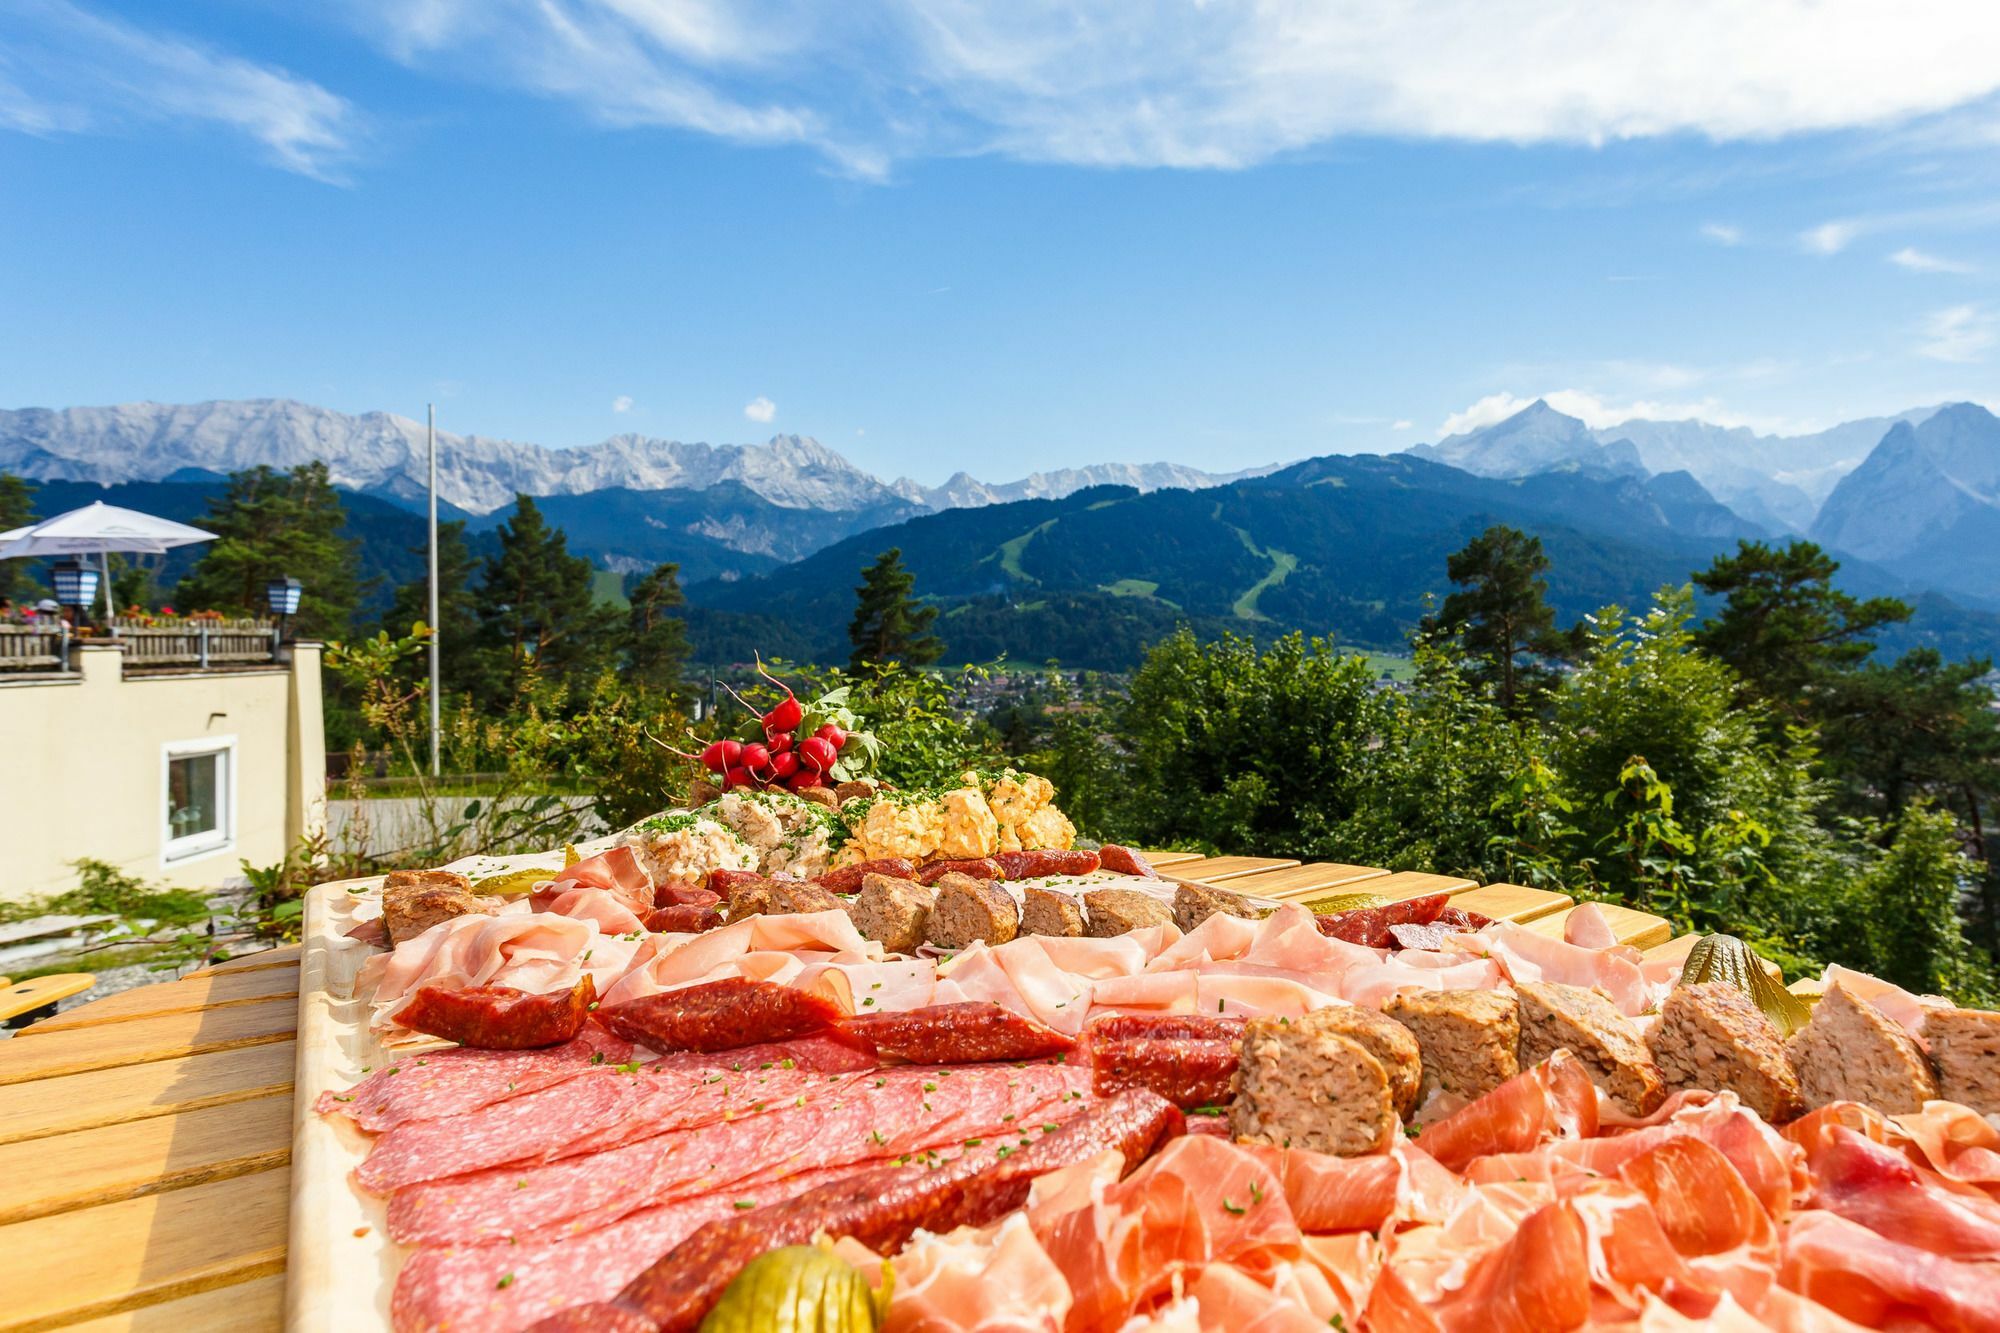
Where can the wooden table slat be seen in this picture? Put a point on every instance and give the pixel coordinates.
(248, 961)
(1217, 869)
(1407, 884)
(208, 990)
(166, 1037)
(125, 1093)
(123, 1256)
(1313, 879)
(1507, 902)
(89, 1167)
(1160, 859)
(256, 1306)
(1641, 930)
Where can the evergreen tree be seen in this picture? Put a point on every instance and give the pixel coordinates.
(889, 625)
(656, 643)
(459, 668)
(270, 524)
(17, 510)
(535, 605)
(1500, 614)
(1785, 628)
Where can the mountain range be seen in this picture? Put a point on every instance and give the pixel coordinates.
(1090, 563)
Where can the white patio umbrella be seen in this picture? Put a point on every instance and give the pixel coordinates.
(98, 529)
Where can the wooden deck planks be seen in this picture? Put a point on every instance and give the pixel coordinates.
(1508, 902)
(1412, 884)
(1220, 869)
(1313, 879)
(126, 1093)
(1161, 859)
(247, 961)
(122, 1256)
(1641, 930)
(206, 990)
(109, 1045)
(256, 1306)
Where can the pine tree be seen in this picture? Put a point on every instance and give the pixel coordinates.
(535, 604)
(270, 524)
(17, 510)
(1785, 628)
(459, 668)
(656, 644)
(1501, 613)
(889, 625)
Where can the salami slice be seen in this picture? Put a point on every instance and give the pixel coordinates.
(519, 1129)
(719, 1015)
(438, 1084)
(1370, 925)
(1190, 1074)
(946, 1034)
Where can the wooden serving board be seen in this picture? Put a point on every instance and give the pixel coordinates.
(341, 1266)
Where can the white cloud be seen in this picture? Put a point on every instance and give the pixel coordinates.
(64, 69)
(1722, 233)
(1126, 83)
(1829, 238)
(1959, 333)
(1919, 261)
(622, 403)
(1401, 425)
(760, 409)
(1598, 412)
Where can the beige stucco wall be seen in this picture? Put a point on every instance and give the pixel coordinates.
(83, 773)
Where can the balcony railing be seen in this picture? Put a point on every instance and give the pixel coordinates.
(149, 645)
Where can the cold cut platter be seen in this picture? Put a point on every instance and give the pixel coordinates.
(752, 1066)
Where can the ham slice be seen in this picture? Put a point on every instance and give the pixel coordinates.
(1555, 1099)
(1877, 1281)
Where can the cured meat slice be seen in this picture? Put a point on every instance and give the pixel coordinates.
(1190, 1074)
(437, 1084)
(979, 867)
(500, 1018)
(881, 1209)
(1033, 865)
(1555, 1099)
(1880, 1282)
(972, 1032)
(1125, 861)
(1537, 1282)
(1873, 1184)
(1370, 925)
(720, 1015)
(519, 1129)
(1170, 1027)
(683, 918)
(847, 879)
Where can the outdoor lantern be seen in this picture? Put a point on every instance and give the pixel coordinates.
(76, 583)
(283, 595)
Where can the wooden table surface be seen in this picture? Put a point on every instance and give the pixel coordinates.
(145, 1139)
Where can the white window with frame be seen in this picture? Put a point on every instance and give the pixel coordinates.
(199, 781)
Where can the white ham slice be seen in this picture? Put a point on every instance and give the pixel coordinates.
(1586, 928)
(536, 952)
(611, 913)
(1529, 956)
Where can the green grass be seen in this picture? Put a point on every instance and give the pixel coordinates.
(1132, 588)
(1396, 666)
(1338, 482)
(1282, 564)
(1010, 552)
(608, 585)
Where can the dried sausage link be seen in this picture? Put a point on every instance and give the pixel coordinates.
(956, 1034)
(719, 1015)
(500, 1018)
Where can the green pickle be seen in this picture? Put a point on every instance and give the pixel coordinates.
(797, 1289)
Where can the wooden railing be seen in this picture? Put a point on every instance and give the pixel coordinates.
(34, 647)
(197, 643)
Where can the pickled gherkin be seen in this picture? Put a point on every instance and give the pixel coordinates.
(797, 1289)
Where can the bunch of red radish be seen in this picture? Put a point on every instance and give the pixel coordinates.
(781, 759)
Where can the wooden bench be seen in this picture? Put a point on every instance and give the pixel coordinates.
(21, 1001)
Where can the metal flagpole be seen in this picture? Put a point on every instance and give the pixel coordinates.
(430, 436)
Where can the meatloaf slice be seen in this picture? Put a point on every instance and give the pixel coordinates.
(1468, 1038)
(1712, 1035)
(415, 900)
(1114, 911)
(1965, 1044)
(967, 909)
(1558, 1017)
(895, 913)
(1196, 903)
(1301, 1086)
(1384, 1038)
(1851, 1051)
(779, 897)
(1047, 912)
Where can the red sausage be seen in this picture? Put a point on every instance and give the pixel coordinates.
(956, 1034)
(676, 895)
(719, 1015)
(882, 1209)
(1169, 1027)
(1190, 1074)
(1033, 865)
(500, 1018)
(1370, 925)
(684, 918)
(722, 883)
(848, 879)
(982, 867)
(1125, 861)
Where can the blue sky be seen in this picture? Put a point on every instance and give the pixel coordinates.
(1002, 236)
